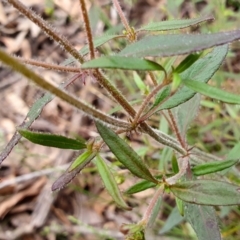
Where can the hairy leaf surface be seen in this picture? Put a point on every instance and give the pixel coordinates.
(207, 192)
(124, 153)
(110, 183)
(174, 24)
(177, 44)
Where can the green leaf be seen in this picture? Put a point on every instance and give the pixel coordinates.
(140, 186)
(69, 175)
(119, 62)
(173, 220)
(201, 71)
(185, 113)
(212, 92)
(203, 220)
(96, 42)
(207, 192)
(177, 44)
(140, 84)
(174, 24)
(82, 160)
(235, 152)
(175, 167)
(187, 62)
(110, 183)
(124, 153)
(52, 140)
(211, 167)
(163, 93)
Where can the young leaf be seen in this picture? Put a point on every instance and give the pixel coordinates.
(163, 93)
(207, 192)
(52, 140)
(187, 62)
(82, 160)
(96, 42)
(140, 186)
(203, 220)
(212, 92)
(174, 24)
(110, 183)
(140, 84)
(202, 70)
(119, 62)
(177, 44)
(211, 167)
(124, 153)
(69, 175)
(175, 167)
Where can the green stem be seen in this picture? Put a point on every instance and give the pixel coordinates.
(21, 68)
(61, 40)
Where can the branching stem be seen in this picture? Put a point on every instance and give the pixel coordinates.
(21, 68)
(146, 102)
(61, 40)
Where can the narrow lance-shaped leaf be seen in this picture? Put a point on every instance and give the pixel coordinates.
(185, 113)
(69, 175)
(207, 192)
(173, 220)
(124, 153)
(118, 62)
(110, 183)
(187, 62)
(203, 220)
(212, 92)
(211, 167)
(52, 140)
(174, 24)
(201, 71)
(235, 152)
(82, 160)
(177, 44)
(140, 186)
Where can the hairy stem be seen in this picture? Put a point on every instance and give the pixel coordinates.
(122, 16)
(50, 66)
(61, 40)
(153, 78)
(19, 67)
(163, 138)
(176, 130)
(104, 82)
(87, 28)
(152, 206)
(146, 101)
(182, 170)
